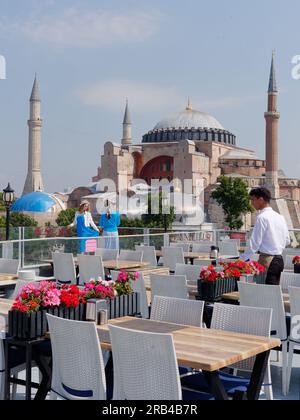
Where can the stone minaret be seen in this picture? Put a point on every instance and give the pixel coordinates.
(272, 120)
(34, 180)
(127, 126)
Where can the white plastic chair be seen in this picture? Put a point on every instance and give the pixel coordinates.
(192, 272)
(107, 254)
(177, 311)
(172, 256)
(145, 366)
(138, 286)
(64, 268)
(288, 263)
(149, 254)
(9, 266)
(289, 280)
(228, 249)
(126, 255)
(186, 247)
(28, 275)
(168, 286)
(294, 339)
(245, 320)
(236, 241)
(266, 296)
(201, 248)
(90, 267)
(78, 367)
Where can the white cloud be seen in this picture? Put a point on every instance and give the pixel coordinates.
(75, 28)
(111, 95)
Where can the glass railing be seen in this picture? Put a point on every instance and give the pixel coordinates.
(37, 250)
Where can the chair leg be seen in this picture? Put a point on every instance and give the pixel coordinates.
(14, 387)
(290, 365)
(268, 388)
(284, 367)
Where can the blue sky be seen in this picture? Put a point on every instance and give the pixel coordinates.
(91, 54)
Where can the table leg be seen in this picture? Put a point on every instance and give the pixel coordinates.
(28, 371)
(216, 386)
(258, 375)
(7, 372)
(45, 385)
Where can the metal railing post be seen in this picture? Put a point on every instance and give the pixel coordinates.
(146, 237)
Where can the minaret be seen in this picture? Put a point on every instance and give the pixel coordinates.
(34, 180)
(127, 126)
(272, 120)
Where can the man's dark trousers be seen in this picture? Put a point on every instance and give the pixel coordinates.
(275, 270)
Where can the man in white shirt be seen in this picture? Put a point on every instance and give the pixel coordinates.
(270, 236)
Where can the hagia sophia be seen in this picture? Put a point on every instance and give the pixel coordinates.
(189, 145)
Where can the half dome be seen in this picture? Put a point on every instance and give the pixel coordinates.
(36, 202)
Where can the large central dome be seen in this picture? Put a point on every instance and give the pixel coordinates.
(189, 119)
(189, 125)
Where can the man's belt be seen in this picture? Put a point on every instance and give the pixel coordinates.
(268, 255)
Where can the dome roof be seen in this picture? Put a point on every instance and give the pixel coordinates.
(189, 119)
(36, 202)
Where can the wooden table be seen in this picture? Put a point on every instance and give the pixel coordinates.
(7, 276)
(206, 349)
(5, 306)
(124, 265)
(234, 298)
(192, 256)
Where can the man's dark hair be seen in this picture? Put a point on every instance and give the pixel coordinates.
(261, 192)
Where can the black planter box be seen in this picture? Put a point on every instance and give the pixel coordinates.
(31, 326)
(212, 292)
(297, 269)
(126, 305)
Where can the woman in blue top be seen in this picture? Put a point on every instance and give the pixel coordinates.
(85, 225)
(109, 222)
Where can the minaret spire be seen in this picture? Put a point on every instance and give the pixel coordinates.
(34, 181)
(272, 81)
(272, 117)
(127, 127)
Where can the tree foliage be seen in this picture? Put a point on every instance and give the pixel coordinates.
(18, 220)
(232, 194)
(66, 217)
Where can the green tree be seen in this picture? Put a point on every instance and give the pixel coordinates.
(159, 220)
(232, 194)
(19, 220)
(2, 206)
(66, 217)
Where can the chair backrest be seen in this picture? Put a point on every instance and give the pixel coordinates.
(64, 267)
(107, 254)
(192, 272)
(202, 263)
(19, 286)
(9, 266)
(244, 320)
(78, 368)
(289, 280)
(201, 248)
(288, 263)
(145, 365)
(294, 293)
(90, 267)
(237, 241)
(149, 255)
(138, 286)
(228, 248)
(28, 275)
(186, 246)
(126, 255)
(172, 256)
(177, 311)
(266, 296)
(168, 286)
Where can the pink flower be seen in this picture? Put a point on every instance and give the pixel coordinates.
(136, 275)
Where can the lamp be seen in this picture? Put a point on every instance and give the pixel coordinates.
(8, 198)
